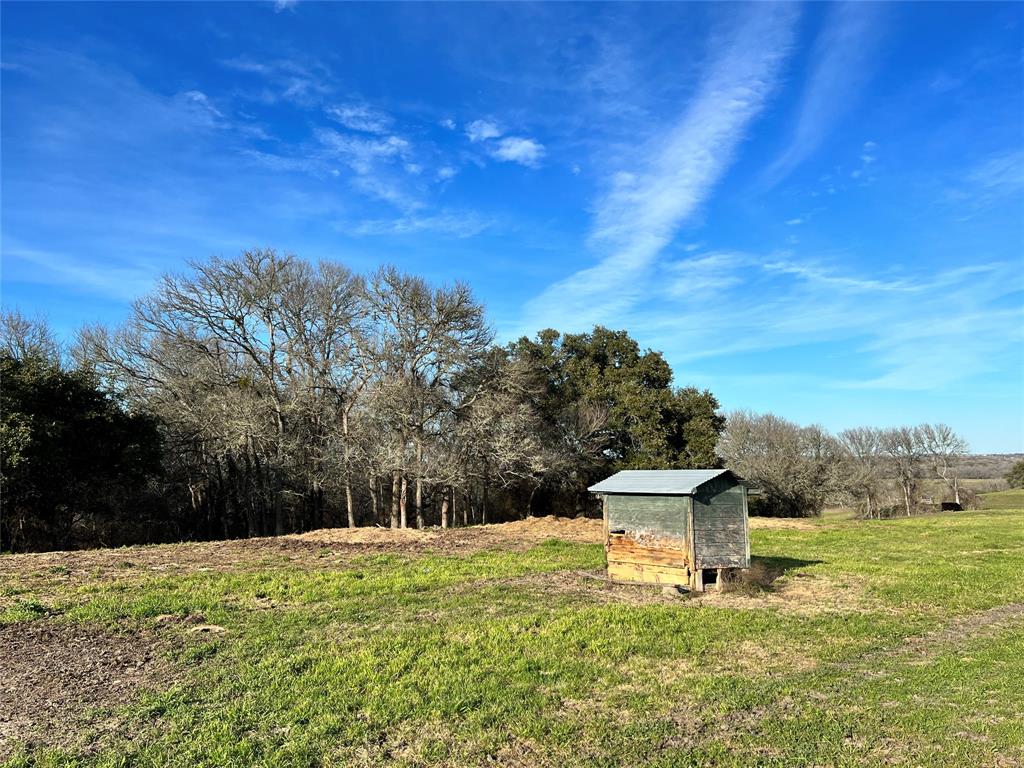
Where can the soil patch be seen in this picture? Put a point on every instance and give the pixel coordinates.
(963, 629)
(519, 534)
(800, 593)
(784, 523)
(56, 676)
(305, 549)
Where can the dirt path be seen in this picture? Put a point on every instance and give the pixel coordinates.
(959, 631)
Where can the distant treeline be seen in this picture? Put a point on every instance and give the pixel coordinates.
(880, 472)
(987, 466)
(264, 394)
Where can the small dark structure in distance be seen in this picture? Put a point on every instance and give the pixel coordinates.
(674, 527)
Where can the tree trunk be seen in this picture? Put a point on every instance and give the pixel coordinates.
(956, 490)
(483, 499)
(373, 501)
(350, 505)
(444, 507)
(394, 498)
(419, 484)
(529, 502)
(465, 510)
(403, 502)
(906, 496)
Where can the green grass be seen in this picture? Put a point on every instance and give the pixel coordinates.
(489, 658)
(1011, 499)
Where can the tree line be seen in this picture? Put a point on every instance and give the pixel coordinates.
(265, 394)
(880, 472)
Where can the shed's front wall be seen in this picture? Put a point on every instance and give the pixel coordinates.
(648, 538)
(720, 525)
(650, 517)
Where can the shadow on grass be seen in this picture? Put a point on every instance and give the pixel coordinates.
(774, 567)
(762, 573)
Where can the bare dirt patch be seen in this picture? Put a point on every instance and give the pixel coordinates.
(962, 629)
(47, 575)
(299, 549)
(519, 534)
(801, 593)
(56, 676)
(783, 524)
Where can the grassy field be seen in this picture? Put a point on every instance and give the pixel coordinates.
(879, 643)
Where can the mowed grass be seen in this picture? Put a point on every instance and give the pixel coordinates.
(884, 643)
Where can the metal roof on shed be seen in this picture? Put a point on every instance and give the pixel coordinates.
(666, 482)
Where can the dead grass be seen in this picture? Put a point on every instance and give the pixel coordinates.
(802, 594)
(519, 534)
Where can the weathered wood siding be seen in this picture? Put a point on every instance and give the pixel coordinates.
(654, 544)
(662, 561)
(650, 517)
(720, 525)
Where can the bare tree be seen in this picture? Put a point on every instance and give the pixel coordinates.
(945, 450)
(425, 338)
(795, 468)
(23, 337)
(904, 447)
(864, 466)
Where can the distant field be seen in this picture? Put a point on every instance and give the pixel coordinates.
(1010, 499)
(895, 642)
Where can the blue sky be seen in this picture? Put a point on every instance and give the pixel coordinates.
(816, 210)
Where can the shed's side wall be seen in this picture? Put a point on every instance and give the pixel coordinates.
(720, 525)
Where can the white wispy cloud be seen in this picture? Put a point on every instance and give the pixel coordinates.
(842, 63)
(360, 117)
(515, 149)
(1002, 172)
(361, 153)
(920, 329)
(110, 279)
(447, 124)
(868, 151)
(644, 207)
(287, 79)
(708, 272)
(816, 273)
(481, 130)
(452, 224)
(994, 179)
(202, 101)
(284, 5)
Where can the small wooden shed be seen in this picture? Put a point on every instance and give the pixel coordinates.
(679, 526)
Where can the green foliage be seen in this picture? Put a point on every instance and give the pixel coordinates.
(1015, 477)
(71, 460)
(613, 406)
